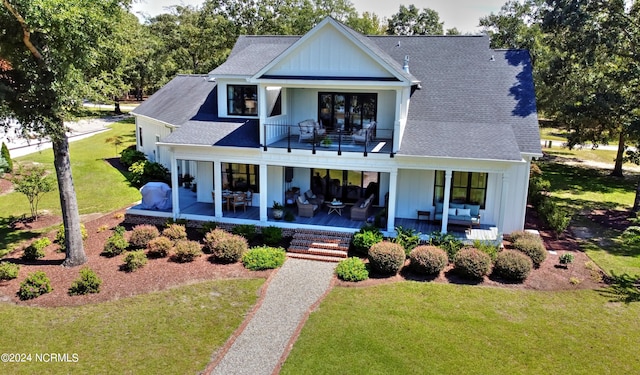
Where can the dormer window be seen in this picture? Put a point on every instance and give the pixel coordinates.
(242, 100)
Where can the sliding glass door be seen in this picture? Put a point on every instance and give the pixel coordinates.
(346, 112)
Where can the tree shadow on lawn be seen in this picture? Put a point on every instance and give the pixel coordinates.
(580, 180)
(9, 235)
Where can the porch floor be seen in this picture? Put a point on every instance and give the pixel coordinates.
(189, 206)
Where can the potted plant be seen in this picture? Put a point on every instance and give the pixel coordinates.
(187, 179)
(326, 142)
(277, 210)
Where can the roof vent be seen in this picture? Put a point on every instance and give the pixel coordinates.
(492, 58)
(405, 67)
(398, 44)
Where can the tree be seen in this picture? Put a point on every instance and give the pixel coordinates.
(412, 21)
(33, 182)
(367, 24)
(56, 53)
(4, 153)
(595, 69)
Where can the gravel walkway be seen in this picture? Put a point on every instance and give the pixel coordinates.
(291, 292)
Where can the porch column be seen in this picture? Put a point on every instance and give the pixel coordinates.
(447, 196)
(217, 187)
(263, 192)
(175, 191)
(503, 202)
(391, 210)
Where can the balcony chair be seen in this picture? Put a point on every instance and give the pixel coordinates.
(307, 128)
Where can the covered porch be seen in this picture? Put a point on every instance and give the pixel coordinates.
(191, 209)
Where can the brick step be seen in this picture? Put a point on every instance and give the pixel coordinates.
(322, 245)
(318, 251)
(320, 258)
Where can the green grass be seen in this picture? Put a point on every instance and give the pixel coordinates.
(553, 134)
(169, 332)
(430, 328)
(100, 188)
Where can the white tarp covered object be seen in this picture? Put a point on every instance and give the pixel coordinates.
(156, 196)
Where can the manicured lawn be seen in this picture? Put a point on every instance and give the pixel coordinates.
(100, 188)
(169, 332)
(553, 134)
(429, 328)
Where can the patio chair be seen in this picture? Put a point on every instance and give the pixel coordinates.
(239, 199)
(306, 208)
(307, 129)
(250, 197)
(365, 134)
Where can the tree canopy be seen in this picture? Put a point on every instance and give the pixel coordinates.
(412, 21)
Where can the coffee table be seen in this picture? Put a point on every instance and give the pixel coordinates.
(337, 208)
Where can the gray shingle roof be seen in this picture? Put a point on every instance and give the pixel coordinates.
(190, 103)
(463, 84)
(252, 53)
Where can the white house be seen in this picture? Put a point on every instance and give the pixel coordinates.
(422, 123)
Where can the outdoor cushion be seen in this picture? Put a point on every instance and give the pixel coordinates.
(439, 207)
(452, 212)
(456, 205)
(463, 212)
(475, 209)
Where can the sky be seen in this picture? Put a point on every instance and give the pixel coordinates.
(461, 14)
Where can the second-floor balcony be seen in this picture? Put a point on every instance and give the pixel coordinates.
(365, 140)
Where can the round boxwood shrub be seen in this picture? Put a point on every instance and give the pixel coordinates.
(213, 237)
(175, 232)
(271, 235)
(230, 249)
(160, 247)
(116, 244)
(386, 257)
(263, 258)
(88, 282)
(352, 269)
(533, 247)
(36, 249)
(8, 270)
(134, 260)
(473, 263)
(512, 265)
(186, 251)
(428, 260)
(36, 284)
(142, 234)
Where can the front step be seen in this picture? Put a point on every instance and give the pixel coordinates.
(320, 245)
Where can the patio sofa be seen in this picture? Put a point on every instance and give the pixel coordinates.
(361, 209)
(460, 214)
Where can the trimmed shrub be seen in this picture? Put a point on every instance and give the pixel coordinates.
(186, 251)
(4, 153)
(533, 247)
(160, 247)
(487, 247)
(134, 260)
(142, 234)
(514, 236)
(213, 237)
(207, 227)
(566, 258)
(60, 235)
(512, 265)
(264, 258)
(247, 231)
(88, 282)
(408, 238)
(175, 232)
(472, 263)
(365, 238)
(446, 242)
(386, 257)
(116, 244)
(36, 284)
(36, 249)
(352, 269)
(130, 155)
(230, 249)
(144, 171)
(271, 235)
(4, 166)
(8, 271)
(428, 260)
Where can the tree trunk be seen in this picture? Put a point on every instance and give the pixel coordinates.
(117, 107)
(75, 255)
(636, 201)
(617, 168)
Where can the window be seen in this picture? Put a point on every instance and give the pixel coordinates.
(242, 100)
(347, 186)
(467, 187)
(346, 111)
(240, 177)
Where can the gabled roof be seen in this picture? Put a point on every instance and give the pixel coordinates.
(189, 102)
(252, 56)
